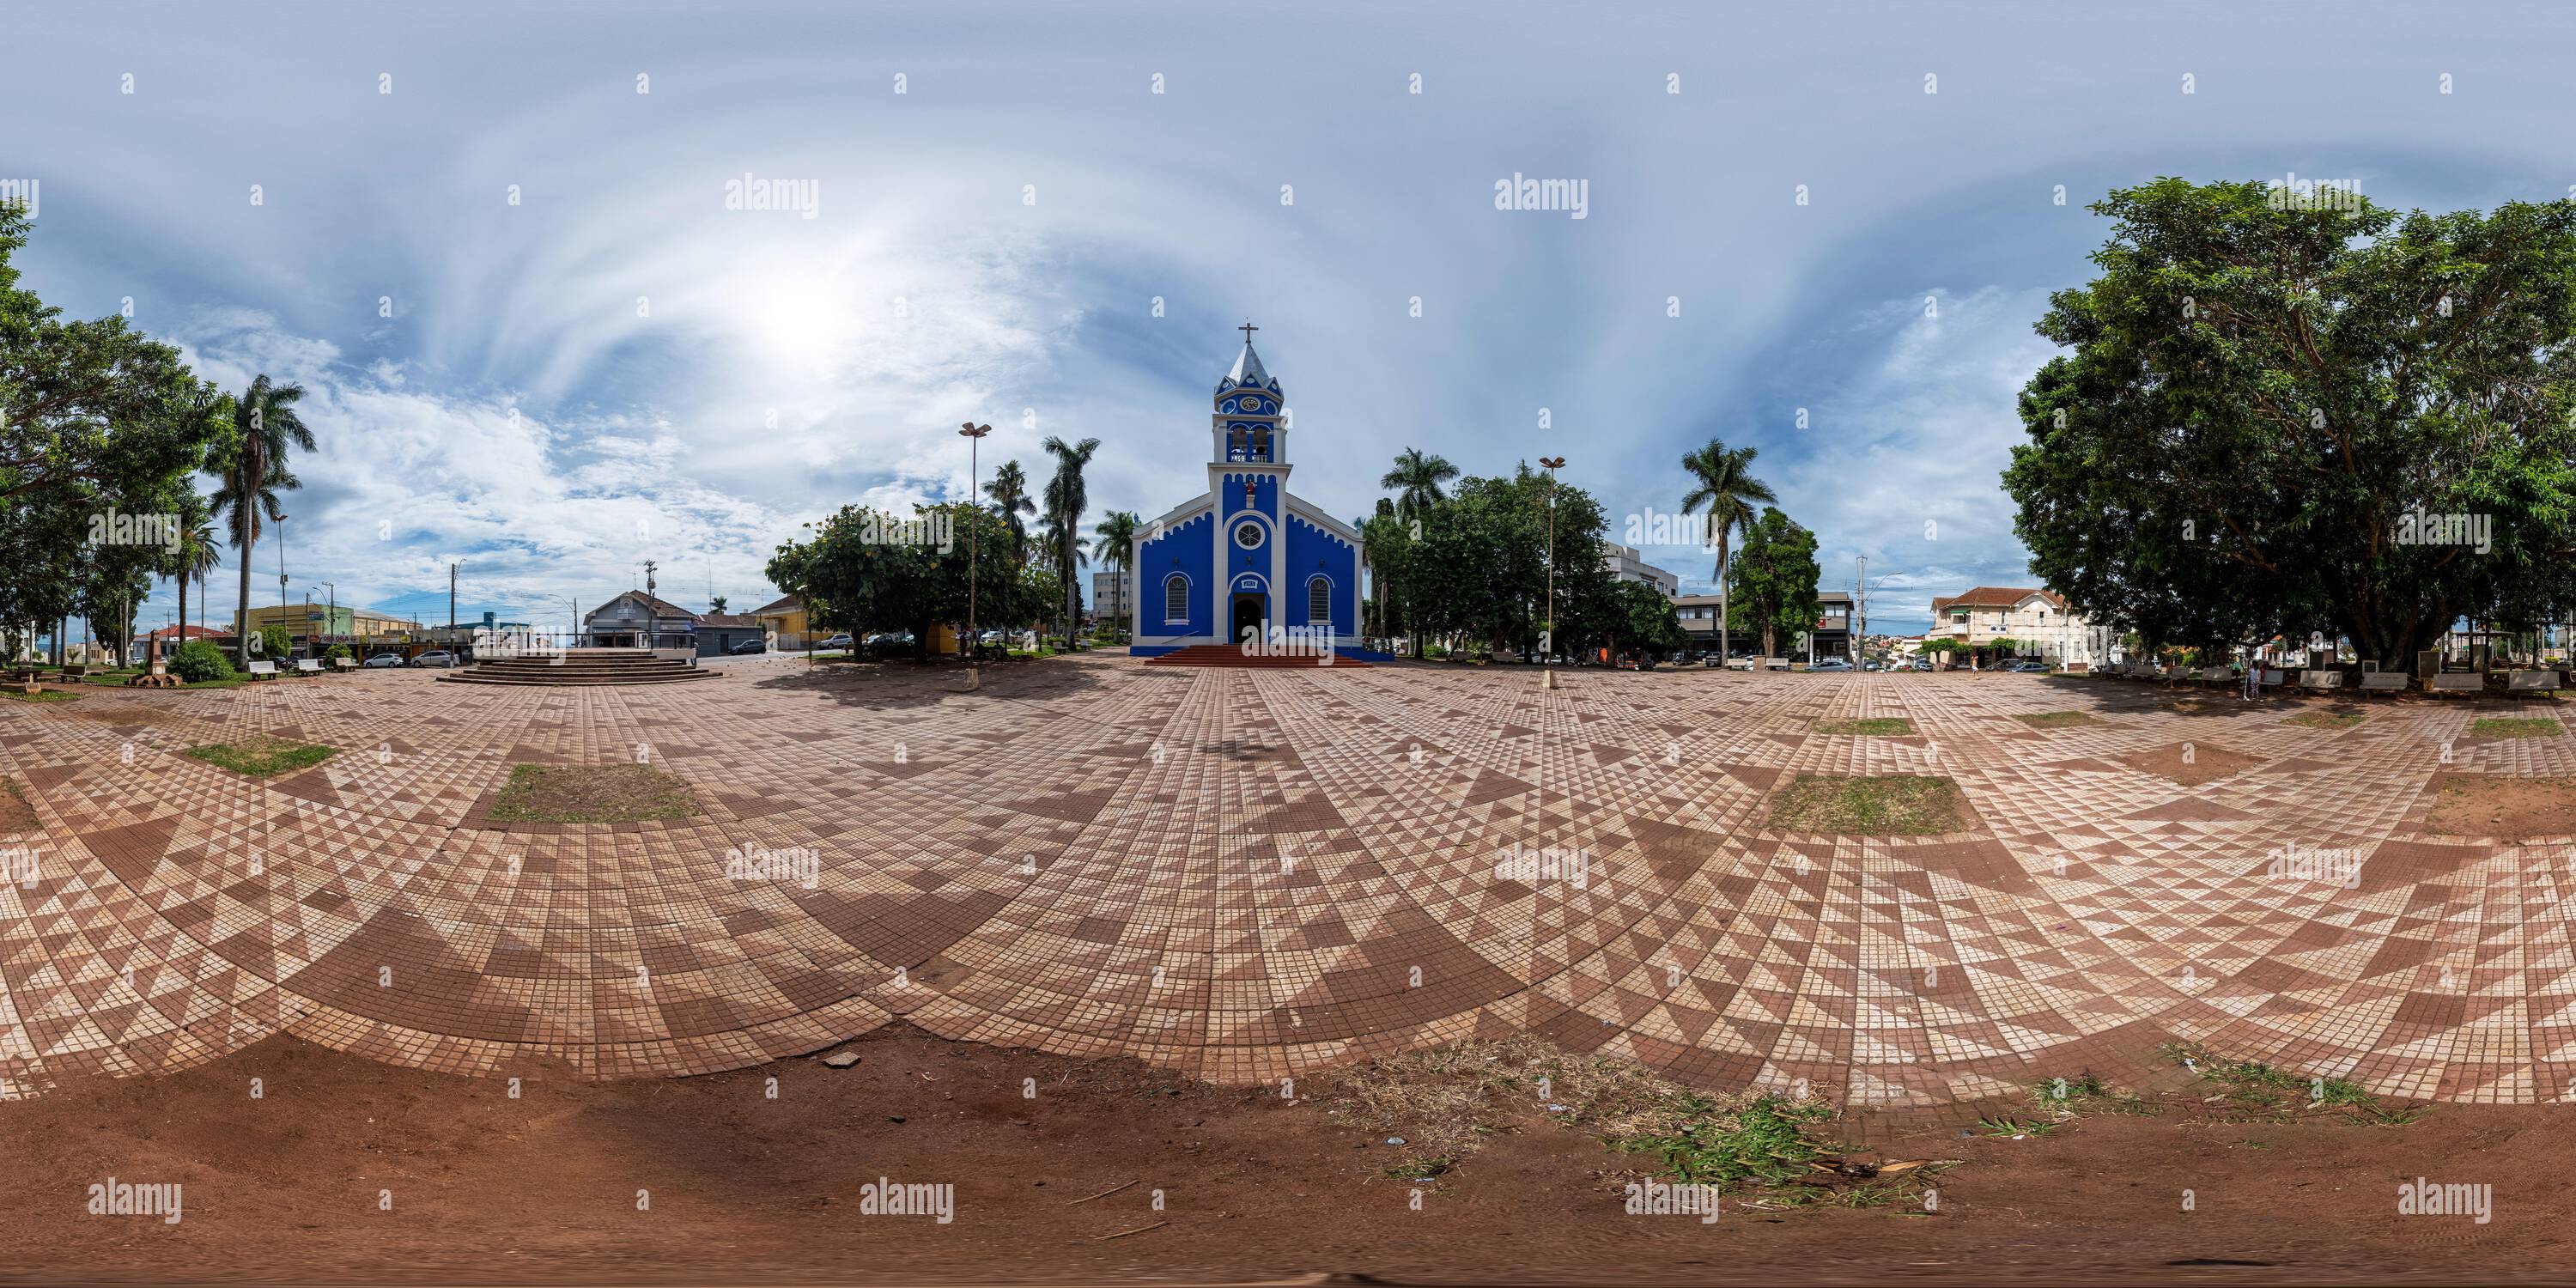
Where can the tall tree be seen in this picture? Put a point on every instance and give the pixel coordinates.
(1723, 481)
(253, 469)
(1117, 548)
(200, 550)
(1775, 578)
(2285, 415)
(1416, 479)
(1010, 492)
(1067, 496)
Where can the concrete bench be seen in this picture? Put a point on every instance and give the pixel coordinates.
(344, 664)
(2319, 680)
(2274, 677)
(307, 666)
(2384, 682)
(263, 669)
(2531, 682)
(2469, 682)
(2217, 675)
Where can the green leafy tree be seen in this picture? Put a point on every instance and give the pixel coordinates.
(852, 578)
(1723, 482)
(1010, 492)
(1067, 496)
(198, 661)
(2260, 403)
(1416, 479)
(1117, 548)
(252, 464)
(1775, 579)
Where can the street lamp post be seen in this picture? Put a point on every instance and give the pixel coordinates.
(281, 578)
(1548, 642)
(974, 436)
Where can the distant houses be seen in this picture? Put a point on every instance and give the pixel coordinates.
(640, 620)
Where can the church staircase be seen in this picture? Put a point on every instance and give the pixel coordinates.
(581, 667)
(1233, 655)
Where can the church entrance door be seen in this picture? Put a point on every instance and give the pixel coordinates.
(1249, 612)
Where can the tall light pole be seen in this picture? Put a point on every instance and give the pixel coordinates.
(1553, 464)
(1860, 614)
(281, 579)
(974, 436)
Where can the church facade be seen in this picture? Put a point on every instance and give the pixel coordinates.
(1247, 561)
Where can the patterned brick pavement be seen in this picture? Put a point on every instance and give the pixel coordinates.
(1250, 874)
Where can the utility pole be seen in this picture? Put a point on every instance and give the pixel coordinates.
(1547, 643)
(281, 581)
(974, 436)
(1860, 614)
(451, 605)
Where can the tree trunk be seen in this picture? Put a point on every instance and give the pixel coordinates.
(182, 636)
(241, 635)
(1725, 644)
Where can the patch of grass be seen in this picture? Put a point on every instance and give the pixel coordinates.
(261, 755)
(2013, 1128)
(1763, 1142)
(1870, 805)
(1868, 726)
(47, 695)
(2250, 1091)
(16, 815)
(2067, 1098)
(2054, 719)
(2517, 727)
(2326, 719)
(117, 681)
(592, 794)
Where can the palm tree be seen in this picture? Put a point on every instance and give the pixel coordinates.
(1067, 497)
(1010, 492)
(1068, 558)
(1117, 548)
(715, 603)
(254, 471)
(197, 555)
(1730, 493)
(1417, 478)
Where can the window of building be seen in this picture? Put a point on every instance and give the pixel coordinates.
(1176, 598)
(1319, 601)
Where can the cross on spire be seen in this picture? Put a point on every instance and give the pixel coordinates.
(1247, 329)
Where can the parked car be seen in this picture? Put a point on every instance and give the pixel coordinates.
(437, 657)
(750, 646)
(1831, 664)
(840, 640)
(2027, 667)
(382, 660)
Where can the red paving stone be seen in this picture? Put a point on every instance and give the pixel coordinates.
(1252, 874)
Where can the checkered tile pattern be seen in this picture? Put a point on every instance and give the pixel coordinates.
(1248, 875)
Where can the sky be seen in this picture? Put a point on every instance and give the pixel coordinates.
(493, 244)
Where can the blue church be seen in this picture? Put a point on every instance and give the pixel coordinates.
(1247, 560)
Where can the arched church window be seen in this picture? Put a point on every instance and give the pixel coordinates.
(1176, 598)
(1319, 601)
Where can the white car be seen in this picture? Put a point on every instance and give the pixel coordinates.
(435, 657)
(1832, 664)
(382, 660)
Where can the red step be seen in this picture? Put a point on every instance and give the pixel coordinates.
(1234, 656)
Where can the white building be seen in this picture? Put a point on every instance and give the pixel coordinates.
(1624, 565)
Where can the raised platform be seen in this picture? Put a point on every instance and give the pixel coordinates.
(1259, 659)
(580, 668)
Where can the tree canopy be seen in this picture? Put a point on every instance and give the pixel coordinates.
(1773, 582)
(2281, 419)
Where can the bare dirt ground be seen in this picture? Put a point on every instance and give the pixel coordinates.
(2512, 807)
(742, 1187)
